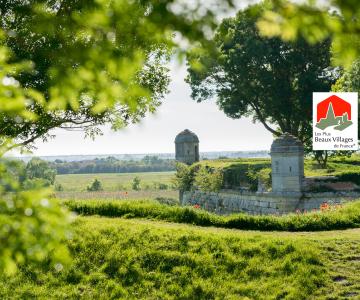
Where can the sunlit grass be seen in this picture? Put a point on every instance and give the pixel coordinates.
(116, 259)
(143, 259)
(337, 218)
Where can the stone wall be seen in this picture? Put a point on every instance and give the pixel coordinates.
(231, 201)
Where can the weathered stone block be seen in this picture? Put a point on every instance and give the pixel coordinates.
(266, 203)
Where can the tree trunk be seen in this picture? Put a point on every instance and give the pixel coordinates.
(322, 158)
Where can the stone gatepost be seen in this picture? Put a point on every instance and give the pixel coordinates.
(287, 164)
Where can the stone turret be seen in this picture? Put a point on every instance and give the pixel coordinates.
(287, 164)
(187, 147)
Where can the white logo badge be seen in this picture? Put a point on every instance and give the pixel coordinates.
(335, 121)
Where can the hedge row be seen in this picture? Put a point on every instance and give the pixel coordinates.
(341, 218)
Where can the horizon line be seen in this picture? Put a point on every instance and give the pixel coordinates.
(138, 153)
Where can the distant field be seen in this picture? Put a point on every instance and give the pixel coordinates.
(120, 195)
(113, 182)
(115, 185)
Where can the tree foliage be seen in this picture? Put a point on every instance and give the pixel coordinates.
(95, 186)
(136, 183)
(184, 176)
(76, 63)
(209, 179)
(315, 21)
(38, 168)
(92, 73)
(36, 173)
(33, 226)
(265, 78)
(90, 62)
(113, 165)
(350, 80)
(338, 20)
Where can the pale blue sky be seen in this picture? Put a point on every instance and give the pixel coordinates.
(156, 133)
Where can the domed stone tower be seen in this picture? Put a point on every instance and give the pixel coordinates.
(187, 147)
(287, 164)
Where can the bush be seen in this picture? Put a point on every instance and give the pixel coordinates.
(158, 186)
(252, 179)
(209, 179)
(216, 174)
(59, 187)
(35, 183)
(184, 176)
(346, 217)
(349, 176)
(95, 186)
(263, 175)
(33, 226)
(244, 173)
(167, 201)
(41, 169)
(162, 186)
(136, 184)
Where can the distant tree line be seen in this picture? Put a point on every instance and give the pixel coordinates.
(34, 174)
(113, 165)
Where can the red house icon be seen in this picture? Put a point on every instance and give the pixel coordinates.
(340, 107)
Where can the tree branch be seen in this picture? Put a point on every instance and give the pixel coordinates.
(262, 120)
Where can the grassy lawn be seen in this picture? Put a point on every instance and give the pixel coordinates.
(142, 259)
(152, 251)
(333, 168)
(113, 181)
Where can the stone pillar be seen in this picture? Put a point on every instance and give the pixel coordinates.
(287, 164)
(187, 147)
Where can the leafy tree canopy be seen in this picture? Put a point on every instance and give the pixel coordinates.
(317, 21)
(350, 80)
(76, 63)
(85, 63)
(38, 168)
(95, 186)
(136, 183)
(265, 78)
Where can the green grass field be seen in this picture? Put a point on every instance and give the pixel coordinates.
(120, 195)
(145, 250)
(114, 181)
(143, 259)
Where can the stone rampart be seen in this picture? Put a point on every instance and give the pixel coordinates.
(232, 201)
